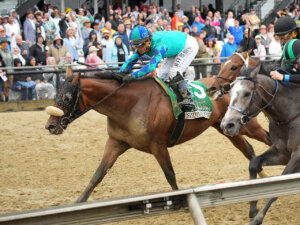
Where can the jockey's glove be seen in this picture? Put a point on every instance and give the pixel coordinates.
(127, 78)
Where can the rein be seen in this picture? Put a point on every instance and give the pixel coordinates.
(246, 117)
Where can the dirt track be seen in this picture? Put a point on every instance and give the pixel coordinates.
(39, 170)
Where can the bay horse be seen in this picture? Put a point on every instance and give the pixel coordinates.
(252, 93)
(231, 68)
(139, 115)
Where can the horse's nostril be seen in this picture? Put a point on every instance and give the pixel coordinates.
(229, 126)
(50, 127)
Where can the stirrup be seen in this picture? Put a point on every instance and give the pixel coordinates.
(187, 103)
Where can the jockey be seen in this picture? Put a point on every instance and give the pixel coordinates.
(286, 29)
(291, 58)
(178, 49)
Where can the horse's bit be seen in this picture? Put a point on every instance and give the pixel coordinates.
(245, 113)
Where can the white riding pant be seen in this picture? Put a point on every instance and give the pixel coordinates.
(170, 66)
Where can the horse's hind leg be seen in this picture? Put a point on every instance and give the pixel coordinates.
(254, 130)
(113, 149)
(162, 156)
(271, 157)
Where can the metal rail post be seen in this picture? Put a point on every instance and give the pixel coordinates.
(196, 210)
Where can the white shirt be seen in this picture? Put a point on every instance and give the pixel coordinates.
(275, 49)
(12, 30)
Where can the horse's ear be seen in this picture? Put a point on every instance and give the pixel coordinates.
(255, 71)
(69, 71)
(239, 50)
(76, 79)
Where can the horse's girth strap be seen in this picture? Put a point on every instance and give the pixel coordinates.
(177, 131)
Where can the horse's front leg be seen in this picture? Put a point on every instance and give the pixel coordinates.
(254, 130)
(271, 157)
(113, 149)
(293, 166)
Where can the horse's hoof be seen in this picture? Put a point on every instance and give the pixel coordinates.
(253, 213)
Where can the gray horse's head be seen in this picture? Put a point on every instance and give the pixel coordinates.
(244, 101)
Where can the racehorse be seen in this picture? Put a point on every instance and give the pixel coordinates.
(139, 115)
(252, 93)
(230, 69)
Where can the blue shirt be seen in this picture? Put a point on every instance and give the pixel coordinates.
(199, 26)
(164, 44)
(227, 50)
(237, 33)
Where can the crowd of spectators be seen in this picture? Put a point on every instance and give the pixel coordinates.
(50, 37)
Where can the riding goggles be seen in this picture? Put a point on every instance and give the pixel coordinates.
(285, 36)
(140, 45)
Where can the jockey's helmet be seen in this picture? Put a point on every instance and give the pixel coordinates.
(284, 25)
(140, 36)
(291, 52)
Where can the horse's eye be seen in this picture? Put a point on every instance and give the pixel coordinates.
(67, 98)
(233, 68)
(247, 94)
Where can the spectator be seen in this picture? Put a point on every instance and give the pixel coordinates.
(2, 82)
(180, 27)
(160, 26)
(3, 36)
(254, 22)
(127, 28)
(16, 54)
(237, 31)
(153, 17)
(91, 41)
(57, 49)
(96, 28)
(162, 12)
(136, 11)
(185, 20)
(194, 31)
(116, 21)
(121, 32)
(261, 50)
(106, 42)
(209, 29)
(40, 30)
(7, 58)
(186, 30)
(243, 19)
(12, 30)
(51, 78)
(219, 23)
(24, 48)
(275, 48)
(108, 27)
(29, 29)
(175, 19)
(230, 19)
(265, 39)
(179, 10)
(117, 52)
(192, 15)
(228, 48)
(248, 43)
(76, 25)
(202, 53)
(198, 24)
(271, 31)
(50, 28)
(16, 18)
(86, 29)
(212, 52)
(72, 43)
(23, 83)
(38, 51)
(56, 19)
(93, 57)
(64, 24)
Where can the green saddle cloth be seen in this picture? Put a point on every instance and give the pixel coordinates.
(202, 102)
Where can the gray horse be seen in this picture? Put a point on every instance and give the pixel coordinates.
(252, 93)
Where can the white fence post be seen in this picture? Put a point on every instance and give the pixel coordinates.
(196, 210)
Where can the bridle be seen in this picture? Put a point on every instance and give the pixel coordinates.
(246, 116)
(76, 109)
(224, 89)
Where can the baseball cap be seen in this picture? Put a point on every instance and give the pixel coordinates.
(257, 37)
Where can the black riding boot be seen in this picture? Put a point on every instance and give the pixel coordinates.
(185, 98)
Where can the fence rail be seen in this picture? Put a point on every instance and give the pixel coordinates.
(102, 212)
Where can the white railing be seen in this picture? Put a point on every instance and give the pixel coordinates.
(157, 204)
